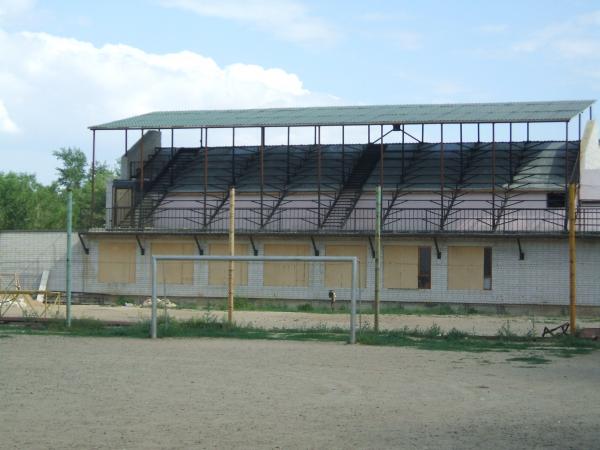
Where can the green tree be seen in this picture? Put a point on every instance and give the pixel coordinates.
(72, 173)
(26, 204)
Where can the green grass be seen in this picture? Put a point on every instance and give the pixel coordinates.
(432, 338)
(530, 359)
(243, 304)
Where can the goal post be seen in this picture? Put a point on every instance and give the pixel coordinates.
(347, 259)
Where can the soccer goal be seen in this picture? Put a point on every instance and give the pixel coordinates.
(316, 259)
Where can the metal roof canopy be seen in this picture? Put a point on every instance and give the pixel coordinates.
(512, 112)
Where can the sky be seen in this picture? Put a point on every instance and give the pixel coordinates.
(66, 65)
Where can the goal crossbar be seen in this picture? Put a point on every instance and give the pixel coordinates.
(348, 259)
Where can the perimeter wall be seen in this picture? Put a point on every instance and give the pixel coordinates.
(115, 267)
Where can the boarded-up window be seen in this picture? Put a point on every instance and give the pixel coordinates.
(465, 268)
(400, 267)
(116, 262)
(339, 275)
(286, 273)
(174, 272)
(424, 267)
(218, 271)
(487, 268)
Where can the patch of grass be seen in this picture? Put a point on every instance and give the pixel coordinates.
(244, 304)
(209, 325)
(121, 301)
(306, 307)
(531, 359)
(504, 332)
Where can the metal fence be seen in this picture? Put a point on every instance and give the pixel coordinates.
(360, 220)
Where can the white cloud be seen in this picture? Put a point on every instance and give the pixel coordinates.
(14, 7)
(287, 19)
(55, 87)
(6, 123)
(577, 37)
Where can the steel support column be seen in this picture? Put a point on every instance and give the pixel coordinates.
(204, 216)
(494, 176)
(233, 156)
(343, 155)
(566, 168)
(172, 155)
(381, 158)
(93, 200)
(318, 144)
(442, 178)
(402, 155)
(287, 159)
(460, 154)
(510, 154)
(262, 174)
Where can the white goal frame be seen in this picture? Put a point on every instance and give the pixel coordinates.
(348, 259)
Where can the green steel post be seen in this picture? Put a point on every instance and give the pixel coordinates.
(69, 231)
(377, 256)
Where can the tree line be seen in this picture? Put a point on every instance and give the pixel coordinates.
(27, 204)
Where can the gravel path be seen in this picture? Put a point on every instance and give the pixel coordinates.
(71, 393)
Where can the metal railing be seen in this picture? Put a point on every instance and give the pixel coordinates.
(361, 220)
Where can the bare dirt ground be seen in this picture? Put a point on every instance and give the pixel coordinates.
(71, 393)
(482, 325)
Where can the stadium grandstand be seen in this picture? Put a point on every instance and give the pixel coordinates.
(474, 207)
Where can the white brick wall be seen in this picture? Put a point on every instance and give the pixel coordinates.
(542, 278)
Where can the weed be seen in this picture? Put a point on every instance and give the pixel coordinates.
(211, 325)
(456, 334)
(531, 359)
(121, 301)
(306, 307)
(504, 332)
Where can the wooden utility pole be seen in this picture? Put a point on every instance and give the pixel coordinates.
(572, 261)
(231, 253)
(377, 257)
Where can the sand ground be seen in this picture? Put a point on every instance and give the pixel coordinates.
(483, 325)
(71, 393)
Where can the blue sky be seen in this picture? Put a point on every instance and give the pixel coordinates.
(70, 64)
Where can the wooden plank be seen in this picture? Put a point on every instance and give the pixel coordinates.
(116, 261)
(465, 268)
(338, 275)
(174, 272)
(400, 267)
(43, 283)
(289, 274)
(218, 270)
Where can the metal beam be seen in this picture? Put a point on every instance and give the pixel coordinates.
(85, 247)
(142, 249)
(521, 253)
(314, 244)
(254, 249)
(200, 249)
(438, 253)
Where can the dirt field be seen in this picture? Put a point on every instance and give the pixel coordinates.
(68, 392)
(483, 325)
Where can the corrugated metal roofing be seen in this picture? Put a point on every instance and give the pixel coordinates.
(555, 111)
